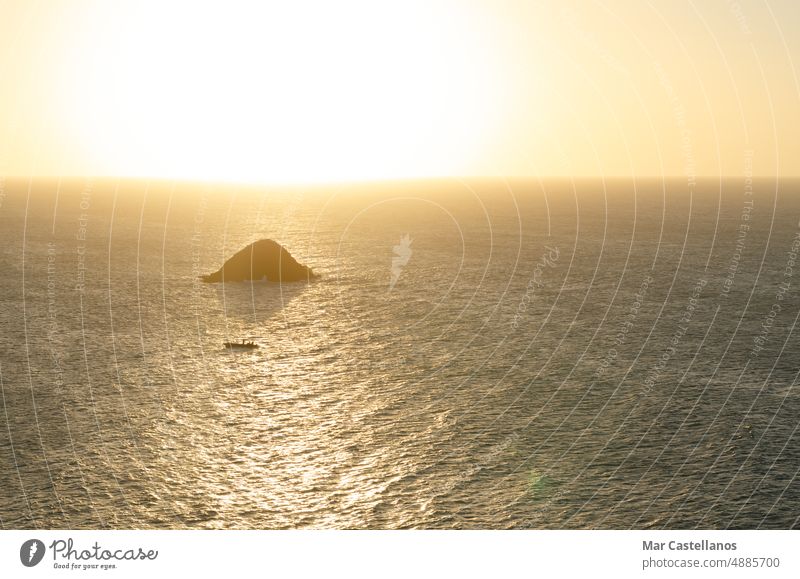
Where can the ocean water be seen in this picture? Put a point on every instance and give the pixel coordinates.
(476, 354)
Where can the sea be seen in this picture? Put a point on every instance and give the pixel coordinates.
(475, 354)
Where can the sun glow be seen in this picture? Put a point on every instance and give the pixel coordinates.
(292, 91)
(315, 90)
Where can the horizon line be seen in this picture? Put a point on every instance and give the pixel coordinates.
(335, 182)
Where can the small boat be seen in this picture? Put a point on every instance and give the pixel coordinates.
(240, 345)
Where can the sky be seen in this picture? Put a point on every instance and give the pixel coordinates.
(317, 91)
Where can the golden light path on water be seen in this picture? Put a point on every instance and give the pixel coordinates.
(488, 387)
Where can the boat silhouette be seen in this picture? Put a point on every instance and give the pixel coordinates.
(243, 345)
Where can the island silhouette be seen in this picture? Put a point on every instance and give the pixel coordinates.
(262, 260)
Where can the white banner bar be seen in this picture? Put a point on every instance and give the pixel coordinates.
(439, 554)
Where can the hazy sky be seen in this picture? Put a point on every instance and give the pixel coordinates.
(315, 91)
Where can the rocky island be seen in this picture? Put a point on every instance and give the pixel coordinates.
(263, 260)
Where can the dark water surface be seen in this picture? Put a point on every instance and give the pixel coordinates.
(551, 355)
